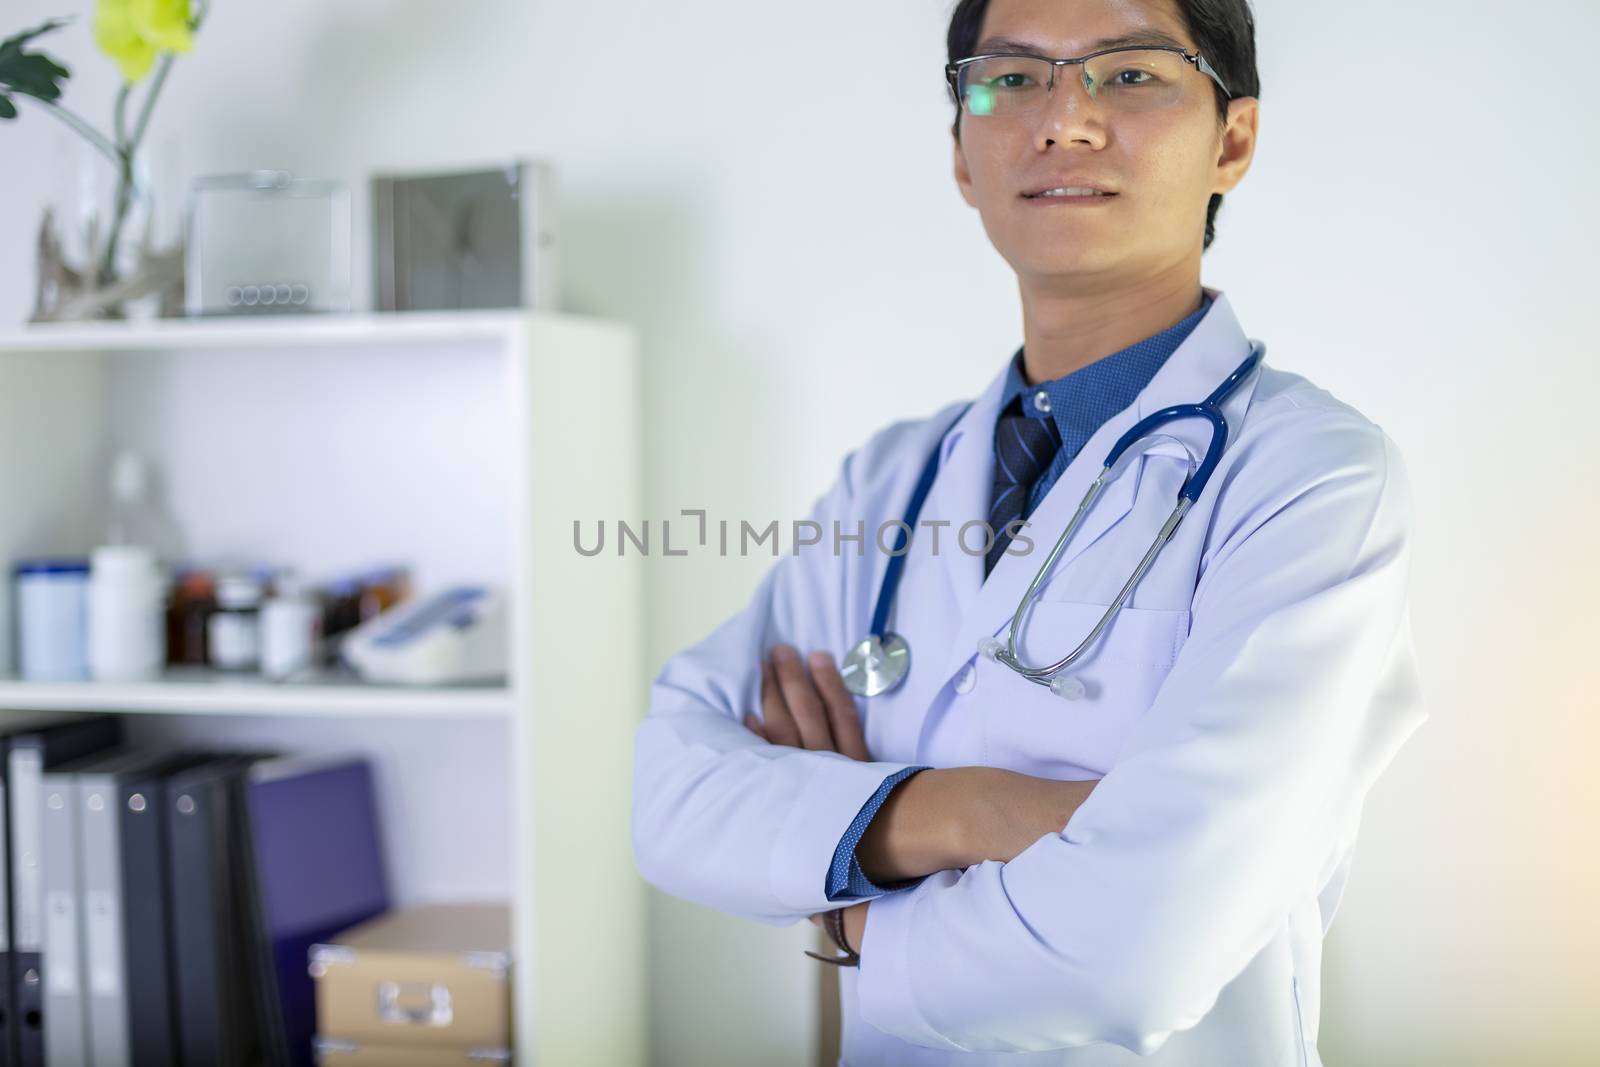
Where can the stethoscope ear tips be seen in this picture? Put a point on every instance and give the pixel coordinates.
(1066, 687)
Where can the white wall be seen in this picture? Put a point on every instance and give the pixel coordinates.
(1417, 236)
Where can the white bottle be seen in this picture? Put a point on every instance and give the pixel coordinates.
(127, 614)
(291, 624)
(233, 633)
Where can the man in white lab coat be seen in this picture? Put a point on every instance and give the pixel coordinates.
(1146, 870)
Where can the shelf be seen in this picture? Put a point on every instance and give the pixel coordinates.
(204, 692)
(257, 331)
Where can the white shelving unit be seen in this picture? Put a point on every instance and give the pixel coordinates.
(464, 445)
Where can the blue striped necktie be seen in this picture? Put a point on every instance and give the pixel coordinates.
(1024, 447)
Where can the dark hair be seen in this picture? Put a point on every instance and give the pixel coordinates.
(1224, 31)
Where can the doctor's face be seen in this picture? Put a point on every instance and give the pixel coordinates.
(1162, 163)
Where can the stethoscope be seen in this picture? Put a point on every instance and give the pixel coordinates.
(881, 660)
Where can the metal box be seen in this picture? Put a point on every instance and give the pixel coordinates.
(474, 239)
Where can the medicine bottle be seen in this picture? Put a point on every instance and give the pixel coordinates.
(52, 598)
(233, 633)
(194, 600)
(127, 614)
(291, 624)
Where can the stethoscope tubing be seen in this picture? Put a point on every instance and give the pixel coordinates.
(1210, 410)
(897, 560)
(1193, 486)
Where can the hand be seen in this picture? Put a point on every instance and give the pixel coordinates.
(954, 818)
(807, 710)
(1013, 810)
(855, 924)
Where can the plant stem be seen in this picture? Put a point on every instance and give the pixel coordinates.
(88, 132)
(119, 123)
(127, 150)
(156, 83)
(150, 95)
(124, 196)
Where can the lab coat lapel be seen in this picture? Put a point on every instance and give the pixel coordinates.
(961, 494)
(999, 594)
(1208, 355)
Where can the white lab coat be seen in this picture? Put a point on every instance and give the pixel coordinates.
(1237, 710)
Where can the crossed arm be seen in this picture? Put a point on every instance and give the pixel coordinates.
(935, 820)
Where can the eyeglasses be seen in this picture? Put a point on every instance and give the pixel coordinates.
(1122, 79)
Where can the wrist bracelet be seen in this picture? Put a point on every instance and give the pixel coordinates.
(833, 923)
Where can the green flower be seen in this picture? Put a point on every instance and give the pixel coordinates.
(134, 32)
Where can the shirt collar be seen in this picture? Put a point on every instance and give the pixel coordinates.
(1081, 401)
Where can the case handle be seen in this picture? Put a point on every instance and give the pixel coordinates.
(415, 1003)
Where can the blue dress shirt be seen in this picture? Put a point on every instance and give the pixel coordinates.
(1080, 403)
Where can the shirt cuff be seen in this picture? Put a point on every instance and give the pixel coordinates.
(846, 879)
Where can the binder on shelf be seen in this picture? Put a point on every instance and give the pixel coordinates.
(78, 903)
(314, 865)
(217, 1021)
(122, 871)
(28, 755)
(10, 723)
(146, 918)
(65, 1044)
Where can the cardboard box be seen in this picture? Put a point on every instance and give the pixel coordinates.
(436, 976)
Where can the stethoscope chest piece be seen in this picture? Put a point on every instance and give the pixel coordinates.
(876, 665)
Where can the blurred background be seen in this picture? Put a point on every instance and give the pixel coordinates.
(1418, 235)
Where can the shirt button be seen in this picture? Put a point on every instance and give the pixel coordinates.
(967, 679)
(1041, 401)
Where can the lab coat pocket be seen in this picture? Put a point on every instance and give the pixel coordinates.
(1034, 730)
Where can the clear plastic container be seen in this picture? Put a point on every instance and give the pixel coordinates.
(136, 516)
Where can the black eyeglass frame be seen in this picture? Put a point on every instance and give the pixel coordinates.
(952, 71)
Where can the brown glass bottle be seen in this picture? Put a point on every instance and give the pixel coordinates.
(194, 600)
